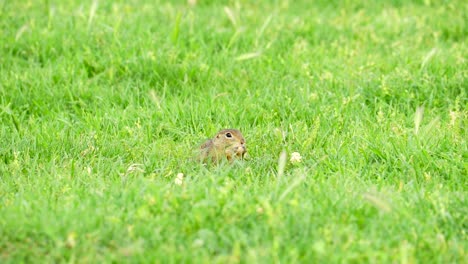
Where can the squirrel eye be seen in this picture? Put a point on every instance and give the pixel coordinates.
(228, 135)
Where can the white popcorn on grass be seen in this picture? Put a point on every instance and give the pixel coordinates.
(295, 158)
(179, 178)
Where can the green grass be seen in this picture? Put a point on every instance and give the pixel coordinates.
(102, 105)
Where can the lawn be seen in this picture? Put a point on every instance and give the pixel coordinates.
(104, 103)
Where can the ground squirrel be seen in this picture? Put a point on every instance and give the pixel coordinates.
(227, 143)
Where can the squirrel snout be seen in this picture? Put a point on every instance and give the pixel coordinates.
(241, 149)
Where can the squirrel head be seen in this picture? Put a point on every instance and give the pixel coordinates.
(232, 141)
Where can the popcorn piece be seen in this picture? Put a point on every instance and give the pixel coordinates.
(295, 158)
(179, 178)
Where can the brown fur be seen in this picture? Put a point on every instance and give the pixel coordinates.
(228, 143)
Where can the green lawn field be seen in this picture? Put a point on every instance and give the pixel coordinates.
(104, 103)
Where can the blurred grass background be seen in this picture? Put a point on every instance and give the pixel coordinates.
(102, 103)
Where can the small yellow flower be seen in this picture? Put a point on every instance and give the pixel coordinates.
(179, 178)
(295, 158)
